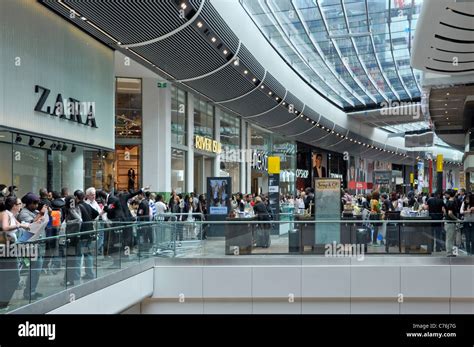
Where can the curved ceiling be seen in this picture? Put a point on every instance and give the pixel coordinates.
(355, 53)
(444, 43)
(188, 42)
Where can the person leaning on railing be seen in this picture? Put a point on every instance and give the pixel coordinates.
(9, 272)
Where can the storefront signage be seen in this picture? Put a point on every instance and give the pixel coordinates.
(328, 184)
(206, 144)
(259, 161)
(273, 165)
(302, 173)
(439, 163)
(72, 109)
(383, 177)
(358, 185)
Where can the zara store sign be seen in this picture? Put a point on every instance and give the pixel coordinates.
(73, 110)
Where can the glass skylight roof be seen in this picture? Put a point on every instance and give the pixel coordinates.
(356, 53)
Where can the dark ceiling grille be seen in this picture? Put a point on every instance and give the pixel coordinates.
(271, 84)
(248, 60)
(217, 24)
(183, 55)
(156, 18)
(225, 84)
(276, 117)
(254, 103)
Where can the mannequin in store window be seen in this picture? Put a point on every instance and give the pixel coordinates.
(131, 179)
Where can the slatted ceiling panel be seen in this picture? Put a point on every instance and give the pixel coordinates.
(155, 18)
(340, 130)
(249, 61)
(292, 99)
(219, 26)
(271, 84)
(195, 56)
(326, 123)
(55, 6)
(311, 135)
(276, 117)
(295, 127)
(225, 84)
(310, 113)
(253, 103)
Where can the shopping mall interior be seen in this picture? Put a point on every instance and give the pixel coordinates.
(237, 157)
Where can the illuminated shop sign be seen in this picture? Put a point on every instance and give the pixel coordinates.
(206, 144)
(302, 173)
(259, 161)
(71, 109)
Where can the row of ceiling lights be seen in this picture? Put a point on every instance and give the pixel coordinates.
(266, 90)
(59, 146)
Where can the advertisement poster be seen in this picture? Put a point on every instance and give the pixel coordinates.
(219, 193)
(318, 165)
(357, 174)
(421, 180)
(327, 207)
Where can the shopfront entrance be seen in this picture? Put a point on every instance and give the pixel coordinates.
(203, 168)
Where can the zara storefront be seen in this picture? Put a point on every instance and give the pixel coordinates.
(56, 101)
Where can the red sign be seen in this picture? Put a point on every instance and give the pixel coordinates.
(357, 185)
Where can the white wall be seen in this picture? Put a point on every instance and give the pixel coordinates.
(340, 288)
(37, 47)
(113, 299)
(156, 136)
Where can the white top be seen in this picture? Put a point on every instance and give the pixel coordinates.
(468, 216)
(160, 207)
(12, 223)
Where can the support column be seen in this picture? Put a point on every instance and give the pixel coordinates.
(248, 158)
(156, 129)
(217, 136)
(190, 143)
(242, 162)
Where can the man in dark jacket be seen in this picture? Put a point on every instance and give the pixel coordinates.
(263, 233)
(145, 236)
(119, 214)
(88, 216)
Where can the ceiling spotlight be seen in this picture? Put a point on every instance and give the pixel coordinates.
(236, 62)
(270, 93)
(83, 18)
(246, 71)
(307, 119)
(183, 6)
(254, 79)
(213, 39)
(262, 87)
(73, 149)
(18, 138)
(332, 132)
(199, 24)
(284, 103)
(323, 128)
(277, 98)
(31, 142)
(225, 51)
(302, 115)
(445, 104)
(445, 111)
(42, 143)
(119, 43)
(313, 122)
(447, 94)
(296, 112)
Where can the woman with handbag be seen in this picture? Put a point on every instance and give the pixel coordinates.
(9, 271)
(467, 210)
